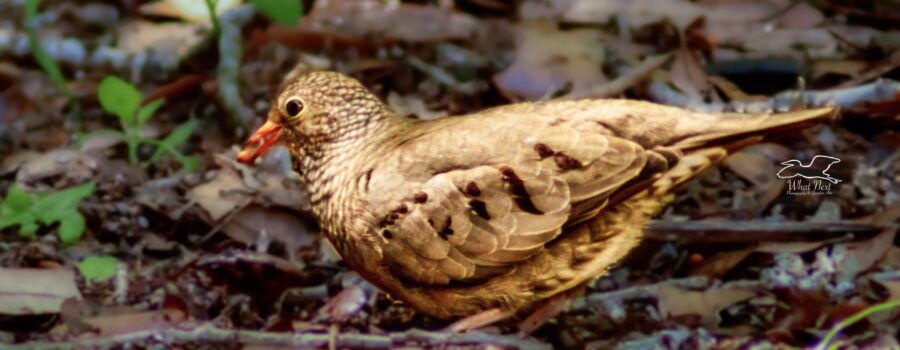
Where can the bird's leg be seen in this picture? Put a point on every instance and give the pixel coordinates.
(546, 311)
(481, 319)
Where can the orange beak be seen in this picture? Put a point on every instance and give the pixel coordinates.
(264, 137)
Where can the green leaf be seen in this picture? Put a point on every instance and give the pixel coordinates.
(147, 111)
(120, 98)
(98, 268)
(60, 205)
(71, 228)
(16, 201)
(286, 12)
(15, 210)
(175, 139)
(181, 134)
(189, 163)
(28, 227)
(40, 55)
(27, 223)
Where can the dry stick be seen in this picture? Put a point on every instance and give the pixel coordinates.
(889, 64)
(882, 90)
(639, 292)
(756, 230)
(207, 333)
(631, 78)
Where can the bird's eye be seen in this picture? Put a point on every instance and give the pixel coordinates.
(293, 107)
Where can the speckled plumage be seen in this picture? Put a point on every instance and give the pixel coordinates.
(498, 209)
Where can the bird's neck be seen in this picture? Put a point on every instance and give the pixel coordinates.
(333, 171)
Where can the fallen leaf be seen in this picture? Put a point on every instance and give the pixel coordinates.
(346, 304)
(675, 302)
(124, 323)
(638, 13)
(220, 196)
(69, 166)
(688, 75)
(44, 292)
(166, 43)
(412, 104)
(377, 19)
(194, 11)
(721, 263)
(281, 225)
(863, 255)
(550, 61)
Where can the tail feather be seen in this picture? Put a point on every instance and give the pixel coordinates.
(750, 127)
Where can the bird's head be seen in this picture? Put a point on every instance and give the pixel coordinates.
(315, 109)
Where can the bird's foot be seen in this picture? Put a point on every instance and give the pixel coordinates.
(481, 319)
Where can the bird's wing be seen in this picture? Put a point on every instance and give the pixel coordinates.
(474, 217)
(462, 199)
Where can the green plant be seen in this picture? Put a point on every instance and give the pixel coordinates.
(213, 18)
(31, 210)
(286, 12)
(887, 305)
(40, 55)
(124, 100)
(98, 268)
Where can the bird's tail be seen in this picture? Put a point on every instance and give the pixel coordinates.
(738, 130)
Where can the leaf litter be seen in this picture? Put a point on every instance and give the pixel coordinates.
(205, 253)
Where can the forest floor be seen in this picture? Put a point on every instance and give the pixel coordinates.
(126, 222)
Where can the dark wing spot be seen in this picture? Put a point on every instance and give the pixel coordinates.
(402, 209)
(517, 188)
(420, 197)
(564, 162)
(543, 150)
(480, 209)
(472, 189)
(446, 231)
(387, 234)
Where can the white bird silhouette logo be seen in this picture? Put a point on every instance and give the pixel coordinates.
(794, 168)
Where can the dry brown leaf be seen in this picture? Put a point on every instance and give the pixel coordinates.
(675, 302)
(187, 10)
(407, 22)
(12, 162)
(166, 43)
(70, 166)
(723, 17)
(346, 304)
(756, 168)
(220, 196)
(863, 255)
(893, 288)
(232, 191)
(752, 167)
(279, 225)
(44, 292)
(124, 323)
(549, 60)
(688, 75)
(721, 263)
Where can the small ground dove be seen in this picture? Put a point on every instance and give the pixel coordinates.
(498, 209)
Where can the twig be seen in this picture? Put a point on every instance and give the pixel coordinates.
(229, 63)
(879, 91)
(627, 80)
(207, 333)
(754, 230)
(889, 64)
(639, 292)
